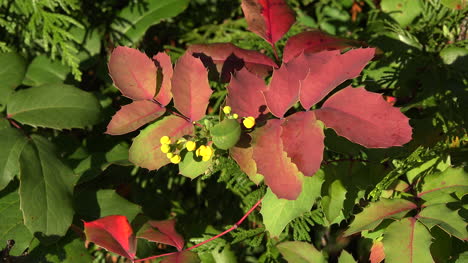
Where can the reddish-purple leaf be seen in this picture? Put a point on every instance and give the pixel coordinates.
(325, 75)
(365, 118)
(314, 41)
(163, 94)
(134, 115)
(377, 253)
(244, 158)
(230, 58)
(281, 175)
(182, 257)
(162, 232)
(245, 94)
(190, 87)
(113, 233)
(303, 141)
(270, 19)
(283, 91)
(145, 150)
(133, 73)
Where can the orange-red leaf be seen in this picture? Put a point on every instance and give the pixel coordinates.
(163, 94)
(162, 232)
(377, 253)
(242, 153)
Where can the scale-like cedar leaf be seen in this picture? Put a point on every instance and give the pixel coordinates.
(133, 73)
(313, 41)
(303, 141)
(245, 94)
(283, 91)
(229, 58)
(162, 232)
(371, 216)
(407, 241)
(281, 175)
(326, 75)
(113, 233)
(145, 150)
(163, 93)
(185, 256)
(190, 88)
(437, 186)
(134, 115)
(295, 251)
(270, 19)
(365, 118)
(449, 220)
(377, 253)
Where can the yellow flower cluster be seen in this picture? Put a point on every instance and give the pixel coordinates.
(227, 110)
(167, 149)
(205, 151)
(248, 122)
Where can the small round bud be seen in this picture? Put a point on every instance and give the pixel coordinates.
(200, 150)
(249, 122)
(169, 155)
(165, 140)
(235, 116)
(227, 109)
(165, 148)
(190, 146)
(175, 159)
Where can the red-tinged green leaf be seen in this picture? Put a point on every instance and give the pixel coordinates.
(113, 233)
(192, 166)
(182, 257)
(313, 41)
(326, 75)
(449, 220)
(455, 4)
(190, 88)
(283, 91)
(277, 213)
(12, 143)
(134, 115)
(162, 232)
(407, 241)
(300, 252)
(377, 253)
(303, 141)
(365, 118)
(270, 19)
(436, 187)
(243, 155)
(163, 92)
(245, 94)
(371, 216)
(145, 150)
(133, 73)
(280, 173)
(229, 58)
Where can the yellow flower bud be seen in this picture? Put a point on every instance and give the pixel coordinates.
(206, 158)
(190, 146)
(227, 109)
(235, 116)
(208, 151)
(169, 155)
(165, 140)
(175, 159)
(165, 148)
(249, 122)
(200, 150)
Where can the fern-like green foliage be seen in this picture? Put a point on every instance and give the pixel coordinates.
(33, 27)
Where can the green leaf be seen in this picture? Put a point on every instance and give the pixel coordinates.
(193, 166)
(226, 134)
(277, 213)
(224, 254)
(455, 4)
(345, 257)
(300, 252)
(46, 188)
(371, 216)
(332, 203)
(12, 226)
(449, 220)
(407, 241)
(403, 11)
(56, 106)
(133, 21)
(12, 69)
(437, 187)
(42, 70)
(12, 142)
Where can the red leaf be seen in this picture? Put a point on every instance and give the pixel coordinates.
(232, 58)
(245, 94)
(281, 175)
(133, 73)
(182, 257)
(113, 233)
(283, 91)
(162, 232)
(134, 115)
(377, 253)
(164, 95)
(303, 141)
(145, 150)
(242, 153)
(314, 41)
(326, 74)
(365, 118)
(270, 19)
(190, 87)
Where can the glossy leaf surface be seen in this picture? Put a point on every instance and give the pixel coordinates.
(133, 73)
(12, 142)
(365, 118)
(134, 115)
(163, 91)
(162, 232)
(438, 185)
(282, 93)
(226, 133)
(190, 87)
(449, 220)
(300, 252)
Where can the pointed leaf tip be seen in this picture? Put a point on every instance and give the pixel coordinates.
(163, 93)
(162, 232)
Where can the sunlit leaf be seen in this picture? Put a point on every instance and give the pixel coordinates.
(226, 133)
(163, 93)
(403, 11)
(182, 257)
(162, 232)
(300, 252)
(345, 257)
(437, 186)
(283, 91)
(333, 202)
(449, 220)
(193, 166)
(242, 153)
(377, 253)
